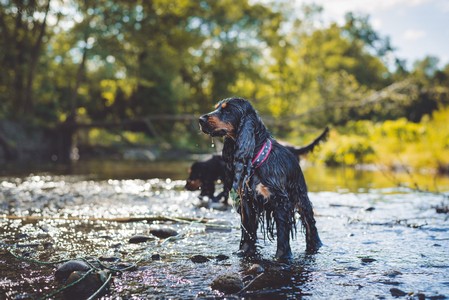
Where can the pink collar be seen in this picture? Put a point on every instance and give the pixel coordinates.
(263, 154)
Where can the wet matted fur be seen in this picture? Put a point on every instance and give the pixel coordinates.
(271, 192)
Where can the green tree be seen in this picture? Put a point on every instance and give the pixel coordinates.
(24, 33)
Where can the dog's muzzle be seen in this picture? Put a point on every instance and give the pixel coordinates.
(204, 125)
(210, 130)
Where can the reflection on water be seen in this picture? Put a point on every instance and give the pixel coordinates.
(318, 178)
(377, 237)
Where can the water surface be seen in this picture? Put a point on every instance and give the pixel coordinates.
(379, 239)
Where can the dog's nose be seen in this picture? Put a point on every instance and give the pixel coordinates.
(203, 119)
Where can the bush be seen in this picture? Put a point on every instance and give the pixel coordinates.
(349, 150)
(395, 143)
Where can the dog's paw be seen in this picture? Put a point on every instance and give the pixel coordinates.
(247, 250)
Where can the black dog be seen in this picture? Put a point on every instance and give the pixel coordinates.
(204, 174)
(265, 175)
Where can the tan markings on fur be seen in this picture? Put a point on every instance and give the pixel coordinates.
(217, 124)
(263, 190)
(216, 106)
(223, 105)
(193, 185)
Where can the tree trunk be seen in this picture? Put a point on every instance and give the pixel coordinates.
(10, 153)
(34, 58)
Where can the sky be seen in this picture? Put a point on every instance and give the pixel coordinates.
(416, 28)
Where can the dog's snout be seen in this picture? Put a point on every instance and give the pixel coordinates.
(203, 119)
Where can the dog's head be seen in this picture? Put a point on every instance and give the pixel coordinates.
(227, 117)
(196, 176)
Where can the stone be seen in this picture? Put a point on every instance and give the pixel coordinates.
(136, 239)
(163, 233)
(395, 292)
(64, 270)
(255, 269)
(199, 259)
(228, 283)
(87, 286)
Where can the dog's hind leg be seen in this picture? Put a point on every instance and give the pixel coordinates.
(313, 242)
(284, 218)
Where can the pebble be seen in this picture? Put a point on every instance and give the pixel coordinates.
(255, 269)
(109, 258)
(368, 259)
(163, 233)
(156, 257)
(221, 257)
(199, 259)
(228, 283)
(64, 270)
(86, 287)
(47, 245)
(392, 273)
(395, 292)
(139, 239)
(422, 296)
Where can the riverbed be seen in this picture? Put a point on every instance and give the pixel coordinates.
(382, 239)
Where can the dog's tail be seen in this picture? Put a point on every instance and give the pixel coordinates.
(309, 148)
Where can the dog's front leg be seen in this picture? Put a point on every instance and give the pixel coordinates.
(249, 218)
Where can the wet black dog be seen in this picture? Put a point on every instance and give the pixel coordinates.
(204, 174)
(265, 175)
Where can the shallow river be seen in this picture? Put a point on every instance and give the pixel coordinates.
(381, 241)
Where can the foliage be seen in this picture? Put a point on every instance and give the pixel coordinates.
(396, 144)
(346, 150)
(113, 61)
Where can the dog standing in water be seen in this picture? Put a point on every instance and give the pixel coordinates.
(265, 175)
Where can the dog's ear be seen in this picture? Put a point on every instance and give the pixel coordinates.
(228, 157)
(245, 139)
(244, 148)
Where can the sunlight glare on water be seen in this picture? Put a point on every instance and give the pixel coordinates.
(374, 239)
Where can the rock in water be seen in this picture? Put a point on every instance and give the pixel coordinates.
(163, 233)
(138, 239)
(87, 286)
(227, 283)
(199, 259)
(397, 292)
(64, 270)
(255, 269)
(221, 257)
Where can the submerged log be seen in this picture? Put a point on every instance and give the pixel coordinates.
(149, 219)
